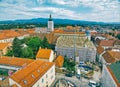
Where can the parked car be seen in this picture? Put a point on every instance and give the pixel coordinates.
(92, 83)
(78, 76)
(68, 75)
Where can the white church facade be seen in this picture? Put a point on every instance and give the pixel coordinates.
(50, 24)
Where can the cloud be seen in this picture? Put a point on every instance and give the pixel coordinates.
(61, 2)
(91, 10)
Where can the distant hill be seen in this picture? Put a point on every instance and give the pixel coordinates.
(56, 21)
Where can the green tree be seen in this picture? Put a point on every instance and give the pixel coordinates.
(110, 33)
(9, 53)
(69, 65)
(118, 36)
(25, 40)
(27, 52)
(16, 47)
(34, 43)
(45, 43)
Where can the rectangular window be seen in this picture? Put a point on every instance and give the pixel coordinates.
(46, 75)
(42, 80)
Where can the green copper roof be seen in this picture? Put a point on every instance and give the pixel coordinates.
(115, 67)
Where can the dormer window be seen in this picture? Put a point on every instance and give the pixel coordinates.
(25, 82)
(32, 76)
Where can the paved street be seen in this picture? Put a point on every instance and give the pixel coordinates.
(78, 82)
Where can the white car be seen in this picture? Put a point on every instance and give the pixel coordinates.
(92, 83)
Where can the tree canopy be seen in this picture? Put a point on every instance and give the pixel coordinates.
(45, 43)
(32, 43)
(27, 52)
(118, 36)
(16, 47)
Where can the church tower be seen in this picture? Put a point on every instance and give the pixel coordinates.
(50, 24)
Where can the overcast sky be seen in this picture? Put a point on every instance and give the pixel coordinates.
(89, 10)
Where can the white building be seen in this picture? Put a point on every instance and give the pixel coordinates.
(37, 74)
(45, 55)
(79, 46)
(50, 24)
(40, 30)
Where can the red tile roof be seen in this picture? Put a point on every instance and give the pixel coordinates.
(100, 50)
(106, 42)
(111, 56)
(3, 45)
(29, 75)
(44, 53)
(14, 85)
(4, 60)
(51, 37)
(5, 34)
(69, 27)
(59, 61)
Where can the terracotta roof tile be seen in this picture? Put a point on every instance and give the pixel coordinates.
(4, 34)
(14, 85)
(115, 54)
(31, 73)
(58, 31)
(43, 53)
(59, 61)
(100, 49)
(69, 27)
(3, 45)
(4, 60)
(106, 43)
(111, 56)
(51, 37)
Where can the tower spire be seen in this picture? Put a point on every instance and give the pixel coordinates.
(50, 16)
(50, 23)
(50, 19)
